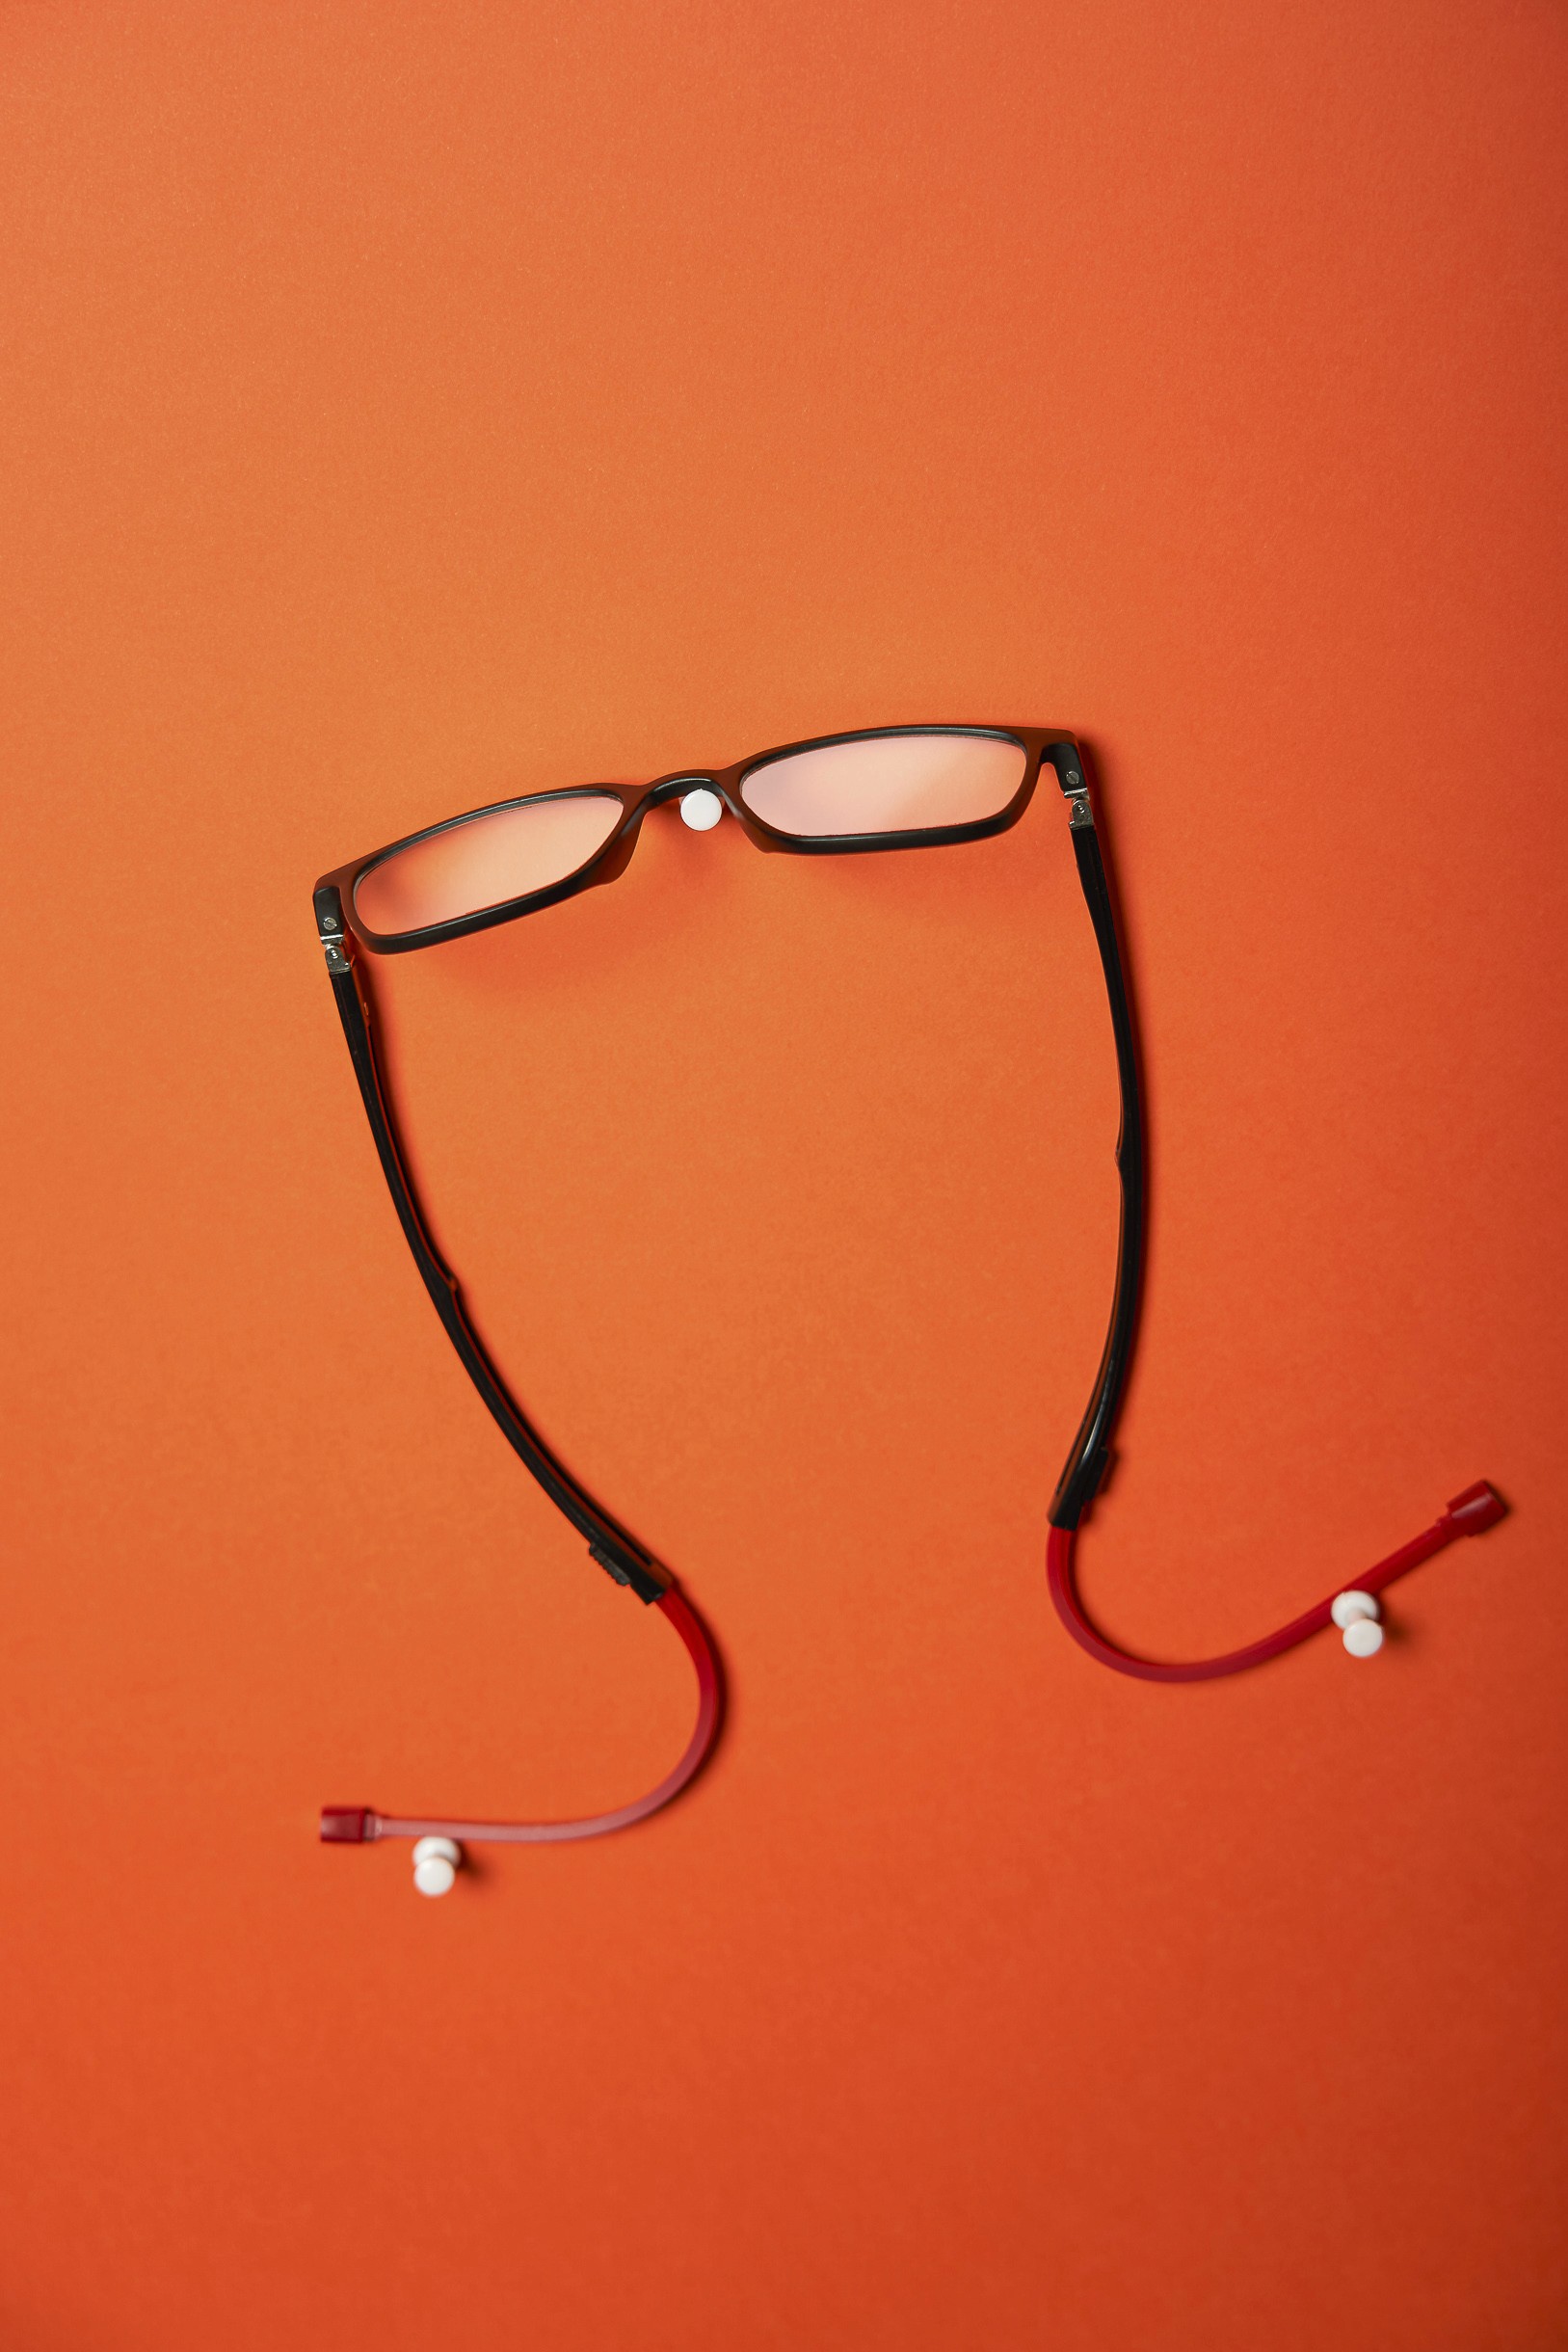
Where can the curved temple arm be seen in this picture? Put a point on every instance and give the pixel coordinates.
(357, 1825)
(1470, 1514)
(615, 1550)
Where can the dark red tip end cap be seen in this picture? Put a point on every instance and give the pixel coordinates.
(344, 1825)
(1474, 1511)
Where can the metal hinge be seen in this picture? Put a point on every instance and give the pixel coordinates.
(337, 944)
(1078, 812)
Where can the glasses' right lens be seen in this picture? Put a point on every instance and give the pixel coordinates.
(484, 861)
(887, 784)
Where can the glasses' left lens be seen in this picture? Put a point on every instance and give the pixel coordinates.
(484, 861)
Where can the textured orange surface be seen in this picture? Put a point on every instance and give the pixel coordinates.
(408, 404)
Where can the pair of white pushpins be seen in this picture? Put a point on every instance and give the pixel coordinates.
(1357, 1615)
(436, 1864)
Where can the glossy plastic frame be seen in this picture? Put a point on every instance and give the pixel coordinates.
(340, 927)
(612, 858)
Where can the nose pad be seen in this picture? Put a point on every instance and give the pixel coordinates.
(701, 809)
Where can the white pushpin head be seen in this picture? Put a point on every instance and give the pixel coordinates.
(435, 1862)
(701, 809)
(1357, 1615)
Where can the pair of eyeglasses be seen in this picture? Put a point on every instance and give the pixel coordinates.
(881, 788)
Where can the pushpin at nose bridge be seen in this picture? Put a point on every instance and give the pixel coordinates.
(701, 809)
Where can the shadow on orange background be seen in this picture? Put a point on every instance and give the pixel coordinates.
(410, 406)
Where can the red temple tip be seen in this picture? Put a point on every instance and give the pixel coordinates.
(344, 1825)
(1477, 1508)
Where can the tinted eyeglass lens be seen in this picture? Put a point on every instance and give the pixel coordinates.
(483, 861)
(887, 784)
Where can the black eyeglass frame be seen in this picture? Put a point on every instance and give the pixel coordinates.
(342, 929)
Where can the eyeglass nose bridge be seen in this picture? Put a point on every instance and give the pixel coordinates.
(675, 788)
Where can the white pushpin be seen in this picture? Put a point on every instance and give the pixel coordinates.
(1357, 1615)
(435, 1862)
(701, 810)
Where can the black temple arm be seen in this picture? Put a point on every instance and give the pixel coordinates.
(609, 1544)
(1090, 1458)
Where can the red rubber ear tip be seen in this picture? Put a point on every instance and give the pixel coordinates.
(345, 1825)
(1477, 1508)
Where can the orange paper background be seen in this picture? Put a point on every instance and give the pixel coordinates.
(408, 404)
